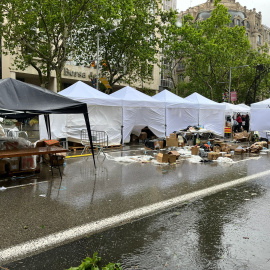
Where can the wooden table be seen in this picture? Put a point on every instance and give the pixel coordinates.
(34, 151)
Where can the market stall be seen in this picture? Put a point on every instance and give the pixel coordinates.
(211, 115)
(104, 112)
(260, 117)
(180, 113)
(21, 100)
(139, 111)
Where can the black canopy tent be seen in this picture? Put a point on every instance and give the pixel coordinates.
(20, 100)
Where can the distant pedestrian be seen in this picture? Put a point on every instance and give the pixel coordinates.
(239, 121)
(246, 125)
(235, 126)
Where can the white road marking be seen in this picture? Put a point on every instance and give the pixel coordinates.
(29, 184)
(57, 238)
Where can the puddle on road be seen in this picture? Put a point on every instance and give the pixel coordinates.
(228, 230)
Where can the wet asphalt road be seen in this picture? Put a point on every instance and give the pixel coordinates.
(227, 230)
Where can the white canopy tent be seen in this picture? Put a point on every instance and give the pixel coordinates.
(139, 111)
(232, 108)
(211, 115)
(245, 107)
(260, 117)
(105, 114)
(180, 113)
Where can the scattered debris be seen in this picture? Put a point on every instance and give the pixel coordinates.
(224, 160)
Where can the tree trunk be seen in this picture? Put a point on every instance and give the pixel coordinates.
(58, 79)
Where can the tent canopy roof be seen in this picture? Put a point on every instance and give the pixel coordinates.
(168, 96)
(173, 101)
(83, 92)
(30, 99)
(135, 98)
(232, 108)
(265, 104)
(204, 102)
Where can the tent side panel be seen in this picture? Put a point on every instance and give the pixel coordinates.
(213, 119)
(260, 120)
(180, 118)
(136, 118)
(58, 126)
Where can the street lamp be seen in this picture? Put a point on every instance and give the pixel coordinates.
(230, 80)
(98, 35)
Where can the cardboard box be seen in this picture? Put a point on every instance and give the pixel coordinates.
(52, 159)
(228, 155)
(238, 151)
(241, 136)
(162, 158)
(175, 153)
(171, 142)
(195, 150)
(233, 146)
(173, 136)
(40, 143)
(159, 144)
(14, 164)
(214, 155)
(143, 136)
(134, 138)
(28, 163)
(172, 158)
(216, 149)
(226, 149)
(52, 143)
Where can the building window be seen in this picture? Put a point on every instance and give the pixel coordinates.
(259, 40)
(248, 25)
(238, 22)
(180, 66)
(181, 78)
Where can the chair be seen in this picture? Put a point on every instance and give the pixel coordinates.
(99, 138)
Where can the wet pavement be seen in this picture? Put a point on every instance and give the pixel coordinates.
(226, 230)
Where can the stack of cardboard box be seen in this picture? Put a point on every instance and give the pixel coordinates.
(172, 140)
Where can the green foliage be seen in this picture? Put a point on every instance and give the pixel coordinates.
(93, 264)
(131, 49)
(39, 33)
(208, 49)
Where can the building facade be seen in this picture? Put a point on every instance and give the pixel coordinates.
(257, 33)
(73, 73)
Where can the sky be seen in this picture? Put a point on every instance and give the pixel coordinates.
(260, 5)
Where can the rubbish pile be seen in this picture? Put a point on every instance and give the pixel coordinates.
(214, 150)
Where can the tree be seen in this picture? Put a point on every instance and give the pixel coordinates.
(209, 48)
(40, 33)
(129, 53)
(173, 45)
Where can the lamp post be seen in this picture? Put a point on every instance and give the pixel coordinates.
(230, 80)
(98, 35)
